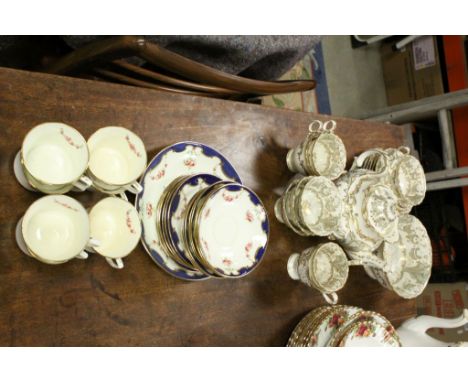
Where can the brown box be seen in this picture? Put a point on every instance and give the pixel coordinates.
(398, 75)
(412, 73)
(447, 301)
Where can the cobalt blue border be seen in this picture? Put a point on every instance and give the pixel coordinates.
(193, 180)
(265, 227)
(228, 170)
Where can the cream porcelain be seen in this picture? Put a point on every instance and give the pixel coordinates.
(326, 268)
(409, 260)
(117, 160)
(115, 224)
(231, 230)
(311, 206)
(403, 173)
(413, 331)
(185, 195)
(55, 229)
(180, 159)
(322, 153)
(54, 157)
(368, 334)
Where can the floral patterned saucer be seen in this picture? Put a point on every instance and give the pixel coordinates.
(184, 158)
(368, 333)
(232, 230)
(321, 334)
(179, 204)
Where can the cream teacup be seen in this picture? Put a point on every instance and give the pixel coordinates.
(326, 268)
(53, 158)
(54, 230)
(322, 153)
(117, 160)
(114, 222)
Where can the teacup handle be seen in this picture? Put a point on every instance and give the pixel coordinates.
(83, 183)
(134, 188)
(331, 298)
(91, 244)
(115, 263)
(404, 149)
(83, 255)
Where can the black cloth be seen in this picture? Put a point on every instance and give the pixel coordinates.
(260, 57)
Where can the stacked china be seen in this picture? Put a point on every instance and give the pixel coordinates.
(343, 326)
(365, 210)
(54, 159)
(310, 206)
(213, 226)
(321, 153)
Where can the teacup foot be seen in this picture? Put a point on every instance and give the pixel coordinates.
(19, 174)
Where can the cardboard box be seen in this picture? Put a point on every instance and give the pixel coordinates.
(398, 75)
(447, 301)
(412, 73)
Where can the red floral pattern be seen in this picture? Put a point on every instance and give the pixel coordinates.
(159, 174)
(227, 262)
(66, 205)
(363, 330)
(149, 209)
(247, 248)
(129, 222)
(335, 321)
(70, 140)
(249, 216)
(132, 147)
(228, 197)
(189, 162)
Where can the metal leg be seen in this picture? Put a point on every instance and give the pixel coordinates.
(446, 136)
(444, 184)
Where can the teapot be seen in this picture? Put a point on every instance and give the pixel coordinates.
(413, 331)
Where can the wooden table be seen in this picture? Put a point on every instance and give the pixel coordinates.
(88, 302)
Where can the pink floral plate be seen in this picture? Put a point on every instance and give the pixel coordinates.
(232, 230)
(369, 333)
(180, 159)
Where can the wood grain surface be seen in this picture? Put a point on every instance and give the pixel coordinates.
(85, 303)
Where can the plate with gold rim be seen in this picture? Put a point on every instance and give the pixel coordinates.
(184, 158)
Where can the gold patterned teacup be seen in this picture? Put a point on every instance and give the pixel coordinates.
(401, 171)
(325, 267)
(117, 160)
(310, 206)
(322, 153)
(53, 159)
(54, 230)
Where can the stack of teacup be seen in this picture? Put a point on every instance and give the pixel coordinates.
(310, 206)
(219, 228)
(365, 210)
(55, 159)
(322, 153)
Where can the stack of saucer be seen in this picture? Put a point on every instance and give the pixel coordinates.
(213, 226)
(310, 206)
(339, 325)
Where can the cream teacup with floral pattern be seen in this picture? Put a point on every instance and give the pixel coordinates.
(115, 224)
(117, 160)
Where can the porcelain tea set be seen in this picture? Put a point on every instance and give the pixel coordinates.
(55, 159)
(364, 211)
(343, 326)
(192, 213)
(350, 326)
(199, 220)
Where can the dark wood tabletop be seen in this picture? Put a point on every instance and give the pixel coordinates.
(85, 303)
